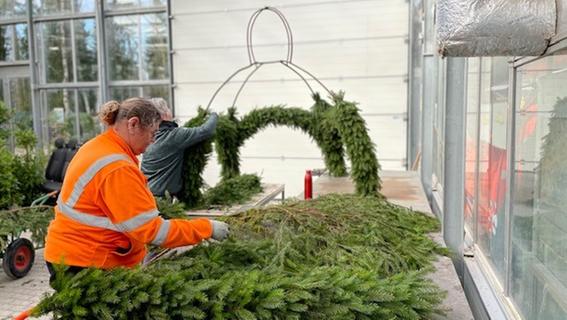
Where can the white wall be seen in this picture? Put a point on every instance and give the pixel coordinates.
(356, 46)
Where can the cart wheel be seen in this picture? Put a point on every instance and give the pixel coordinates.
(18, 258)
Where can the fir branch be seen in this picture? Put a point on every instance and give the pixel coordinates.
(305, 260)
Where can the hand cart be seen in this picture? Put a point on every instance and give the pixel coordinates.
(18, 253)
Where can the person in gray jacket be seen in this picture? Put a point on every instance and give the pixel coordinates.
(162, 163)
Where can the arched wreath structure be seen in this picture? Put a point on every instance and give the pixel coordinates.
(336, 128)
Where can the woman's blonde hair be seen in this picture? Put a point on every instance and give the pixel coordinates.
(114, 111)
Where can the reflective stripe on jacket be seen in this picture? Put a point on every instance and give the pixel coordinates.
(106, 213)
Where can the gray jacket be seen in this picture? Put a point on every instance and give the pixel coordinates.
(162, 162)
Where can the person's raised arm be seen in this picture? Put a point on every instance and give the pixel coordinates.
(186, 137)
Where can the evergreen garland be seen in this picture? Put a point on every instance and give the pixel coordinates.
(227, 144)
(195, 160)
(335, 257)
(326, 134)
(332, 127)
(359, 147)
(255, 121)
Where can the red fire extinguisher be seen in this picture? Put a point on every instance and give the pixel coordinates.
(308, 191)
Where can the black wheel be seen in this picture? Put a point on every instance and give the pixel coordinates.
(18, 258)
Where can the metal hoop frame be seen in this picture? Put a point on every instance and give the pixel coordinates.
(258, 64)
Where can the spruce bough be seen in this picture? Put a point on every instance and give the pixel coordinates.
(335, 257)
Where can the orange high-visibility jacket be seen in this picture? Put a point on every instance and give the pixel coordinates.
(106, 213)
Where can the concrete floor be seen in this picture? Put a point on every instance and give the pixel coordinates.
(19, 295)
(404, 188)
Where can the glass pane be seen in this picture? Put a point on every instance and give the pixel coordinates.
(539, 220)
(124, 4)
(21, 43)
(20, 102)
(123, 93)
(156, 92)
(6, 43)
(61, 119)
(123, 47)
(13, 8)
(493, 157)
(51, 7)
(85, 5)
(56, 52)
(154, 46)
(471, 142)
(85, 37)
(88, 119)
(14, 42)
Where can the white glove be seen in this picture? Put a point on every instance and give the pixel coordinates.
(220, 230)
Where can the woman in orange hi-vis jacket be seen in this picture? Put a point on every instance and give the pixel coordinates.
(106, 214)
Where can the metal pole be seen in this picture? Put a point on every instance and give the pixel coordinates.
(36, 112)
(74, 58)
(477, 152)
(428, 92)
(454, 159)
(102, 52)
(429, 76)
(510, 143)
(414, 84)
(170, 60)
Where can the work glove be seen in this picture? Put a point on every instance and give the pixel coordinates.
(220, 230)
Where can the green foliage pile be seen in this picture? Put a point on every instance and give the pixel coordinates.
(334, 128)
(336, 257)
(227, 192)
(33, 219)
(234, 190)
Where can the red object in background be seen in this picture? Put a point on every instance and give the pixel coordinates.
(308, 186)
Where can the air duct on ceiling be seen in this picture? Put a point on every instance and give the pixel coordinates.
(472, 28)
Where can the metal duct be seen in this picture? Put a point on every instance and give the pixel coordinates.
(472, 28)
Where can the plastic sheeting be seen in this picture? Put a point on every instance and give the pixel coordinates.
(472, 28)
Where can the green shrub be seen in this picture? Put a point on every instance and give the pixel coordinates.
(9, 192)
(29, 167)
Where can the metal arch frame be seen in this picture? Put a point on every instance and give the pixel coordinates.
(258, 64)
(250, 29)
